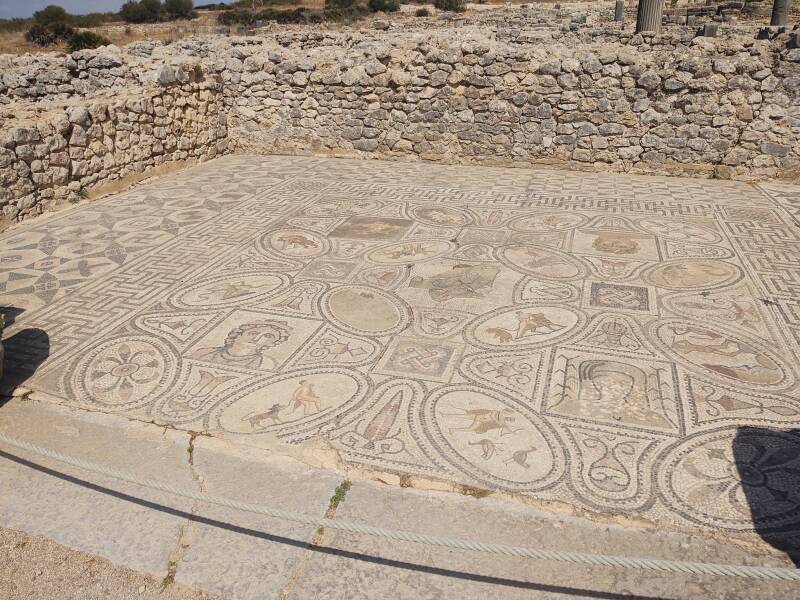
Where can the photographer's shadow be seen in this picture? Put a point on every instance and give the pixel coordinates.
(768, 464)
(23, 353)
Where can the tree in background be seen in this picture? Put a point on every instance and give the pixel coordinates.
(153, 8)
(152, 11)
(386, 6)
(133, 12)
(451, 5)
(50, 26)
(144, 11)
(338, 4)
(50, 15)
(179, 9)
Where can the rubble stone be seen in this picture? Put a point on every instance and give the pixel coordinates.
(672, 103)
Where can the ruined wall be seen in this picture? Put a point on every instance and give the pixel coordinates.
(705, 106)
(62, 149)
(599, 97)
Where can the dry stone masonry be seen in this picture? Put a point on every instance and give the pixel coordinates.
(65, 131)
(509, 85)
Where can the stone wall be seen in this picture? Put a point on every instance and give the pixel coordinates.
(703, 106)
(65, 149)
(594, 95)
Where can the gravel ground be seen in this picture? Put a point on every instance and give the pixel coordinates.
(34, 567)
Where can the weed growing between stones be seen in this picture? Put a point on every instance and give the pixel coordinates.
(339, 494)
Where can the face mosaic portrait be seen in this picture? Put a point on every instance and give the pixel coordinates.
(581, 338)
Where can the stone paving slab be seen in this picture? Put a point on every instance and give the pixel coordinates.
(242, 555)
(69, 511)
(227, 553)
(237, 555)
(354, 567)
(620, 345)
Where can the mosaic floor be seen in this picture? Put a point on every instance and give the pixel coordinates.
(625, 344)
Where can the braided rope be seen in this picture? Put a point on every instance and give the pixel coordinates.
(667, 566)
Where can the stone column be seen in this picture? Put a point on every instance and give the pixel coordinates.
(780, 12)
(648, 17)
(619, 11)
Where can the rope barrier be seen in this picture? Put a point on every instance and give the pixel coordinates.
(660, 565)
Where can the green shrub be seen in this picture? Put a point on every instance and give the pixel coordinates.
(144, 11)
(235, 17)
(257, 4)
(451, 5)
(344, 11)
(40, 35)
(422, 12)
(61, 30)
(179, 9)
(84, 40)
(153, 8)
(296, 15)
(133, 12)
(92, 19)
(225, 17)
(345, 15)
(384, 5)
(335, 10)
(339, 4)
(50, 14)
(45, 36)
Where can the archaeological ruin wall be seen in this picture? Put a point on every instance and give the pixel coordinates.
(670, 104)
(74, 125)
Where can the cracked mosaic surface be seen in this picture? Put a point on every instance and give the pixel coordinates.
(595, 339)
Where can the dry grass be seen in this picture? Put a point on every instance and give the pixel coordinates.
(14, 42)
(119, 33)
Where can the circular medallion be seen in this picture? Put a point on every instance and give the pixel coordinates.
(441, 216)
(546, 222)
(410, 252)
(295, 243)
(339, 208)
(524, 326)
(124, 373)
(543, 263)
(365, 310)
(680, 232)
(228, 290)
(492, 439)
(689, 274)
(737, 478)
(732, 357)
(293, 404)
